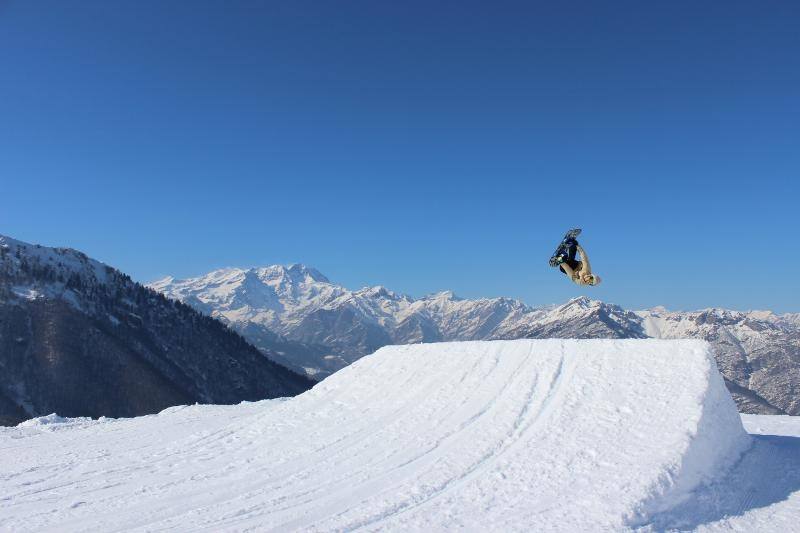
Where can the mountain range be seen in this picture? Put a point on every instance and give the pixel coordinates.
(312, 325)
(81, 338)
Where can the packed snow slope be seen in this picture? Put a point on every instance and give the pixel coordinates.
(567, 435)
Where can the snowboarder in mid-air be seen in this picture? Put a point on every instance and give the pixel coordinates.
(580, 272)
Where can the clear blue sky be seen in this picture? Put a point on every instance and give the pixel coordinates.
(419, 145)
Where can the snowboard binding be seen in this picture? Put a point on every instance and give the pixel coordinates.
(559, 255)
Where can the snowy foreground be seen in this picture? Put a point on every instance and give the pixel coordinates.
(525, 435)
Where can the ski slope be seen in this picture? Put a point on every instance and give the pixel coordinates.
(555, 435)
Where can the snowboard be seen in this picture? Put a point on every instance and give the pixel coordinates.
(570, 235)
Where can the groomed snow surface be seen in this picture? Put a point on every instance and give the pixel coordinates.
(527, 435)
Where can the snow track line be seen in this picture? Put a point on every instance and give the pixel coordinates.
(340, 481)
(427, 455)
(368, 430)
(510, 440)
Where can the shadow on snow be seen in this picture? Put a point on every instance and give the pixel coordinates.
(767, 473)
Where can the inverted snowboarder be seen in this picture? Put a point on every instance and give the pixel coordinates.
(580, 272)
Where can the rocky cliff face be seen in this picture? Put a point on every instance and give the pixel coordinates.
(82, 339)
(318, 327)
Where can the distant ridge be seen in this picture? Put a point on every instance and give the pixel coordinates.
(316, 326)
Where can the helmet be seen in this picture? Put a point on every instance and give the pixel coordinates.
(595, 280)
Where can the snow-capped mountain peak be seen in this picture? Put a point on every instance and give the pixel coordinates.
(18, 256)
(33, 271)
(292, 274)
(444, 295)
(582, 303)
(379, 291)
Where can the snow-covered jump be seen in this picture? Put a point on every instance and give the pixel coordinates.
(507, 435)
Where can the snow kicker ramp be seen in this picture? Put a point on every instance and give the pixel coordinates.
(529, 435)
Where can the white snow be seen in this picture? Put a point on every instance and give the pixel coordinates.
(527, 435)
(26, 293)
(760, 493)
(55, 422)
